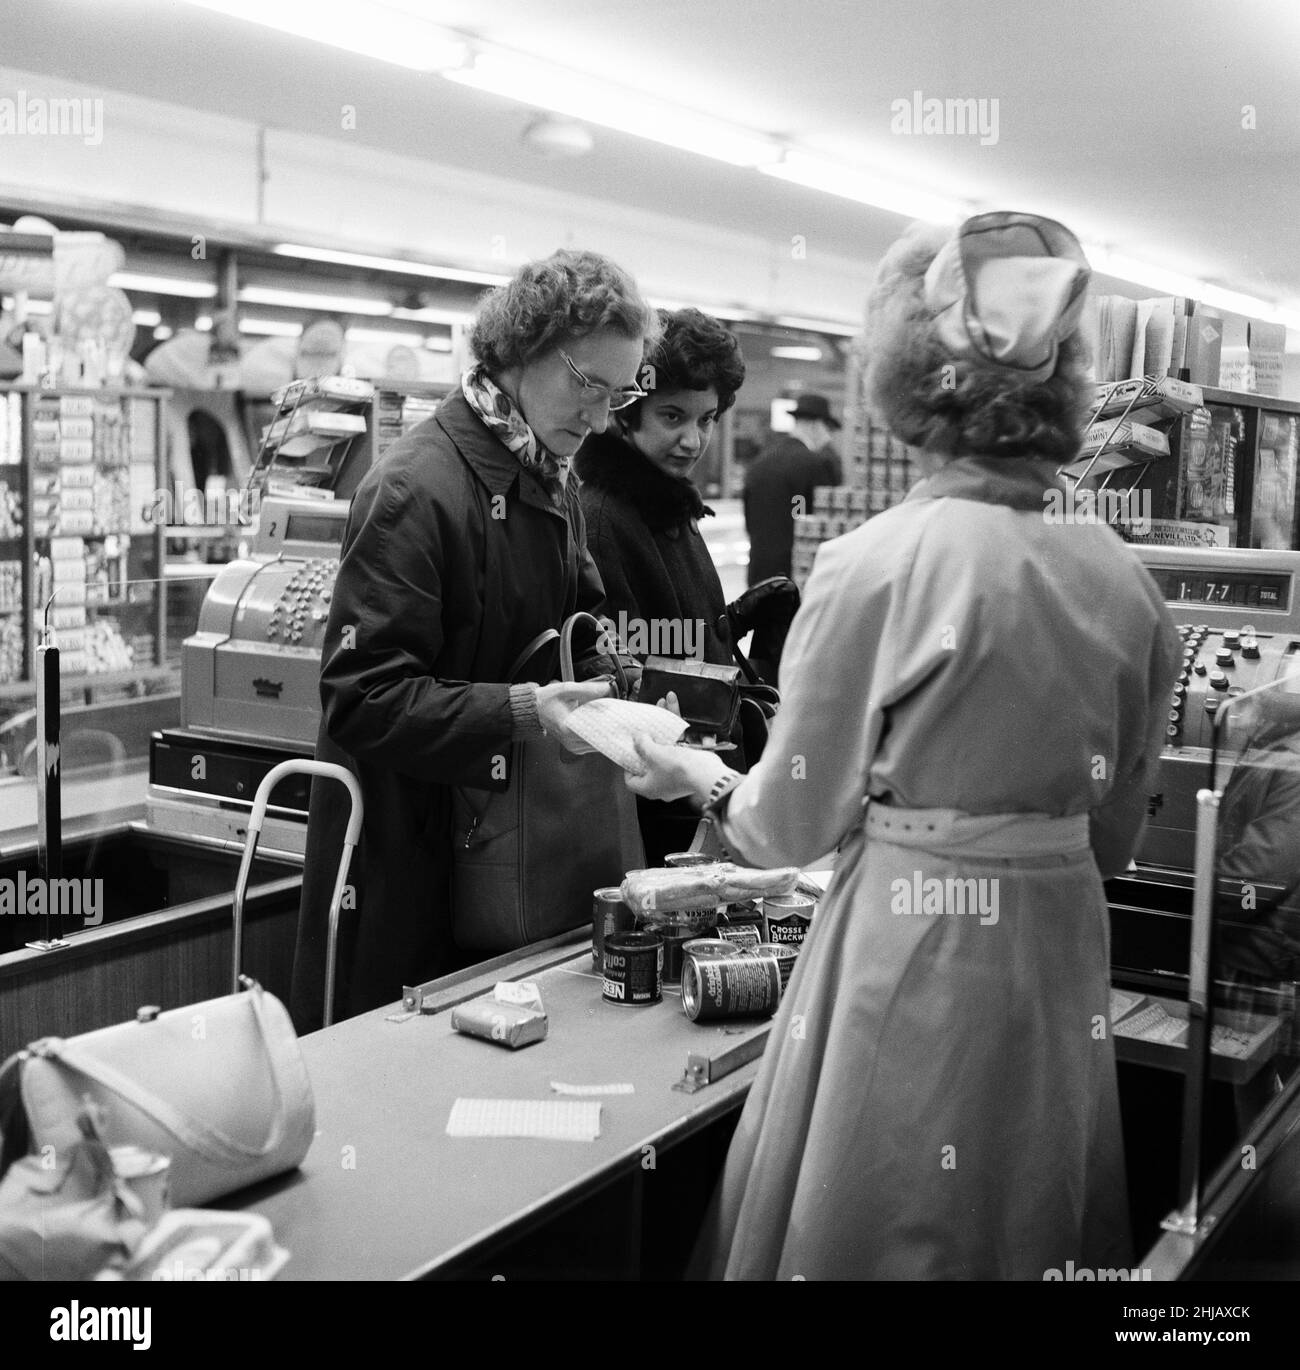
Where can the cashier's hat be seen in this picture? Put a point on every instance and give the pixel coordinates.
(814, 407)
(1005, 291)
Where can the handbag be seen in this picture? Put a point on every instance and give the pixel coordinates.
(526, 860)
(220, 1087)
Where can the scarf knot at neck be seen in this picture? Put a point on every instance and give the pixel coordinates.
(503, 417)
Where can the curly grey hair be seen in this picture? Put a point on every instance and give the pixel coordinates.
(561, 297)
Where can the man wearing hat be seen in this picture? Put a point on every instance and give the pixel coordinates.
(790, 467)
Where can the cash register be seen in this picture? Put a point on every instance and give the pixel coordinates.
(1238, 613)
(250, 681)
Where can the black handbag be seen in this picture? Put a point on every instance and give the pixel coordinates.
(526, 860)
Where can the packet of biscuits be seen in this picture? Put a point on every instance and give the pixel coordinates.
(511, 1016)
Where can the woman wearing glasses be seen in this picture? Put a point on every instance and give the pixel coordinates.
(462, 545)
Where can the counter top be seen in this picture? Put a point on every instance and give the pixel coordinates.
(385, 1194)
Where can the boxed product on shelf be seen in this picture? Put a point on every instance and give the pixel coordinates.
(1273, 502)
(11, 649)
(1209, 469)
(76, 406)
(1138, 438)
(1153, 397)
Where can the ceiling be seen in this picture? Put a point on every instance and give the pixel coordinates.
(1125, 121)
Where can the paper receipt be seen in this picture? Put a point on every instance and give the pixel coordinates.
(610, 725)
(560, 1120)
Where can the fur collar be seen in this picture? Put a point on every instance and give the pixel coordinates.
(608, 463)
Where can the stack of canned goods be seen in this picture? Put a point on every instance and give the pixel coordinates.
(739, 971)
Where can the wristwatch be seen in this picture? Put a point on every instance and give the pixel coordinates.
(715, 805)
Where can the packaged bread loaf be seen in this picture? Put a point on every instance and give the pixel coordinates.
(691, 887)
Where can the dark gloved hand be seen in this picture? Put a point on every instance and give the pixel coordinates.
(770, 605)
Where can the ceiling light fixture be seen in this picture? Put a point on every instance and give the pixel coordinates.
(146, 318)
(271, 328)
(329, 304)
(163, 285)
(797, 354)
(367, 262)
(609, 105)
(866, 187)
(449, 317)
(357, 26)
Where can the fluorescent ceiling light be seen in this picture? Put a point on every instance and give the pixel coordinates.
(610, 105)
(865, 187)
(449, 317)
(162, 333)
(385, 337)
(329, 304)
(360, 26)
(163, 285)
(203, 324)
(797, 354)
(369, 263)
(1173, 283)
(271, 328)
(838, 330)
(146, 318)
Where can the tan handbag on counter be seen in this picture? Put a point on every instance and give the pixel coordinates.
(220, 1087)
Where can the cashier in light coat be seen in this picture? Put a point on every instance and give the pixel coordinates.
(971, 694)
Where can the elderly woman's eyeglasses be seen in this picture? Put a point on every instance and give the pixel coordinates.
(619, 397)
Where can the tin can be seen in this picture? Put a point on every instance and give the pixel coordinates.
(609, 914)
(743, 936)
(147, 1174)
(788, 917)
(634, 967)
(785, 954)
(675, 940)
(717, 987)
(710, 946)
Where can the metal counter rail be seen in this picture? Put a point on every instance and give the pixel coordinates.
(385, 1194)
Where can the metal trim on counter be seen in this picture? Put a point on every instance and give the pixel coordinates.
(143, 926)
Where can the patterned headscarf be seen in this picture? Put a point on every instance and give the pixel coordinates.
(502, 415)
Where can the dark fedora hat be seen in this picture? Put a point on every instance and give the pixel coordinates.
(814, 407)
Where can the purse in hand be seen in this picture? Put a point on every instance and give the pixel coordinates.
(220, 1087)
(526, 860)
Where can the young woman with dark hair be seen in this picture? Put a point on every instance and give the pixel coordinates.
(643, 514)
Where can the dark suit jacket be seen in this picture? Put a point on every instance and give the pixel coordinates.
(783, 471)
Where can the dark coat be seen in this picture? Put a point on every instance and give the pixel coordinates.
(453, 560)
(643, 531)
(783, 471)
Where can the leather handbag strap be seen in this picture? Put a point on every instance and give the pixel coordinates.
(566, 650)
(205, 1140)
(746, 666)
(542, 638)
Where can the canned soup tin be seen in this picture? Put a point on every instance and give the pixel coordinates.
(788, 917)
